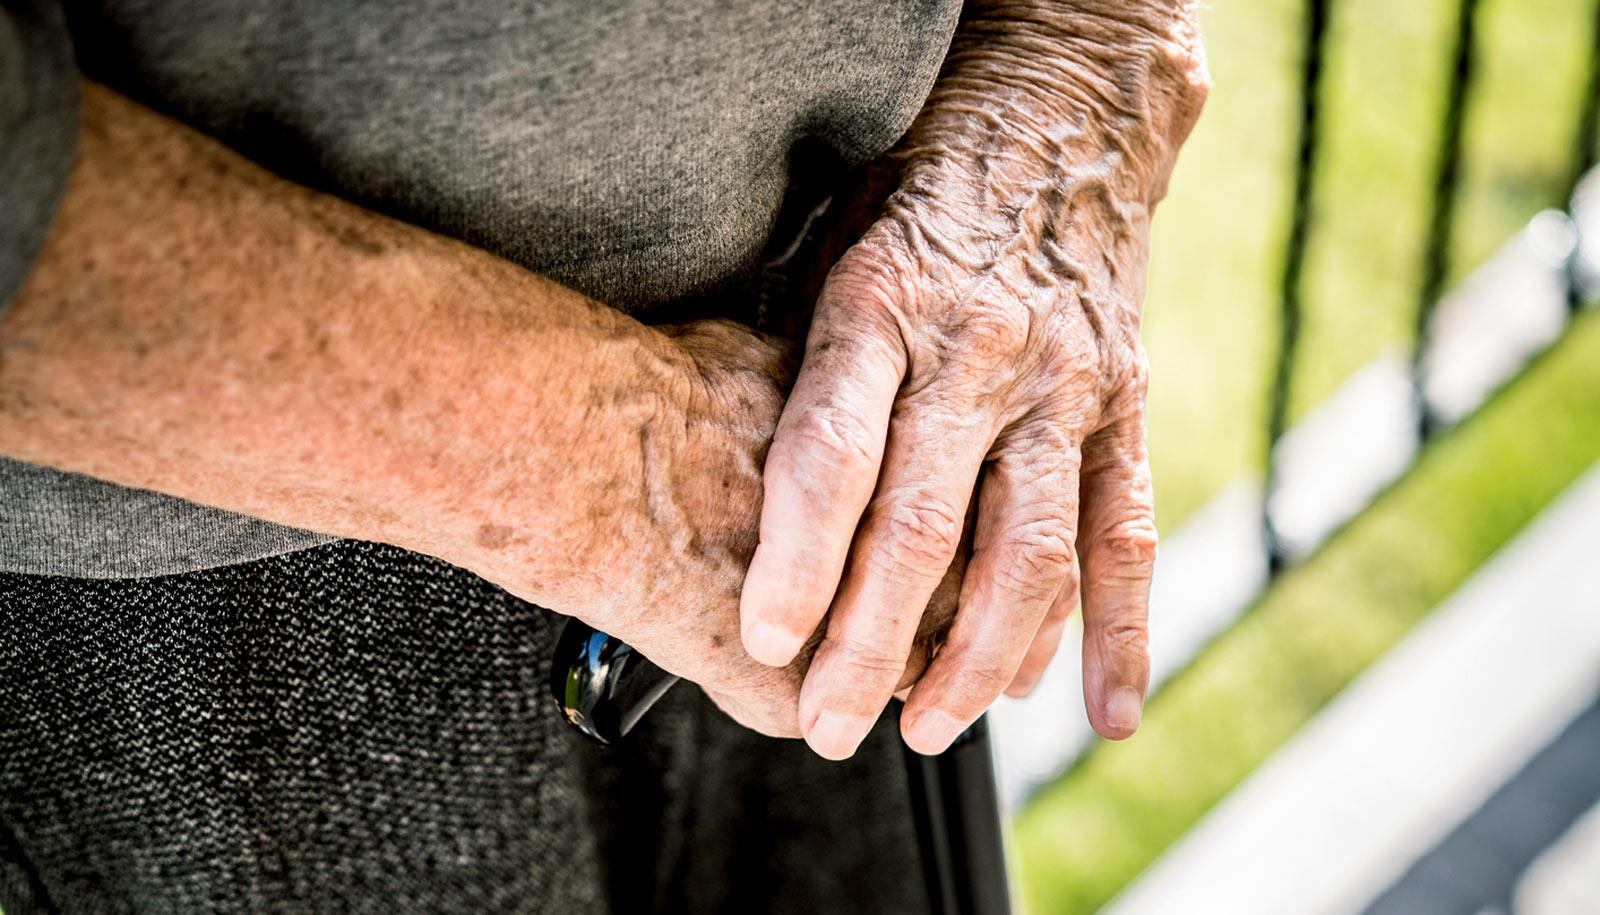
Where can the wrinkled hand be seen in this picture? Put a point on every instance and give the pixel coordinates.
(981, 342)
(669, 558)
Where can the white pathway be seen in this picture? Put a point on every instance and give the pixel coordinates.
(1413, 746)
(1565, 880)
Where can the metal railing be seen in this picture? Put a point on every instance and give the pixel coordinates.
(1436, 267)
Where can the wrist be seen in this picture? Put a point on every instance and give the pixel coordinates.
(533, 441)
(1111, 85)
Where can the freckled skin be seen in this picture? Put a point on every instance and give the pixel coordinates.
(236, 340)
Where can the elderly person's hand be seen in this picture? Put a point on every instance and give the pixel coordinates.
(671, 570)
(986, 326)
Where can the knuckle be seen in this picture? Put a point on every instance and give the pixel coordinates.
(1079, 357)
(1136, 376)
(978, 675)
(829, 440)
(1130, 544)
(1127, 637)
(868, 658)
(872, 270)
(1072, 396)
(1037, 561)
(979, 678)
(1126, 391)
(923, 531)
(989, 333)
(1136, 380)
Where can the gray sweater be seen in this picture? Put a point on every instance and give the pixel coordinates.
(641, 152)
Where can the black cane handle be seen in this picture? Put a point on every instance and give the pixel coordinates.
(602, 684)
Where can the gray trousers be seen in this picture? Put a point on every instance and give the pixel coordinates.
(358, 728)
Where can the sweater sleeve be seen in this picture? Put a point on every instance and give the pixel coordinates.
(38, 129)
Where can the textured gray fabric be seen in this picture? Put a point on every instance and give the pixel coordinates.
(38, 126)
(357, 728)
(54, 523)
(641, 152)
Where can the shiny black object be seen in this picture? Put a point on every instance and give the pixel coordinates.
(602, 684)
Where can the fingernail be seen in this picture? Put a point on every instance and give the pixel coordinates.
(1124, 708)
(836, 736)
(770, 644)
(932, 731)
(1020, 688)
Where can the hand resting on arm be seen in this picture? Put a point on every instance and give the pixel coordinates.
(202, 328)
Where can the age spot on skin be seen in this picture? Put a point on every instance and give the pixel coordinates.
(495, 536)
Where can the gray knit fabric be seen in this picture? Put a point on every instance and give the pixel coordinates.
(642, 152)
(354, 728)
(38, 123)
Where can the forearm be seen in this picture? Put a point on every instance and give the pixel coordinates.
(202, 328)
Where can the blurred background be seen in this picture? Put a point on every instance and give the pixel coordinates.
(1375, 430)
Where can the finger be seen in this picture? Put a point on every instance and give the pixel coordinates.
(1022, 559)
(936, 618)
(1119, 551)
(1046, 642)
(819, 475)
(907, 540)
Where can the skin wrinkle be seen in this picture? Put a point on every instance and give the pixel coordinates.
(1010, 259)
(1035, 231)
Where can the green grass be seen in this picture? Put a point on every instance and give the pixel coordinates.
(1532, 58)
(1089, 835)
(1211, 316)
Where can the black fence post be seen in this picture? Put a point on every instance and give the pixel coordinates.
(1316, 28)
(1436, 254)
(1583, 159)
